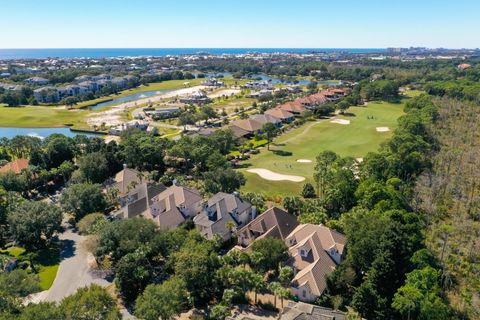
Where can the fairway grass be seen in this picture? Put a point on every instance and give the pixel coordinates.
(306, 142)
(40, 117)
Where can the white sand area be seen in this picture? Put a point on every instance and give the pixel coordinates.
(383, 129)
(274, 176)
(304, 161)
(225, 92)
(340, 121)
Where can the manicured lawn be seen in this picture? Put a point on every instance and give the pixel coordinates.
(40, 117)
(306, 142)
(46, 263)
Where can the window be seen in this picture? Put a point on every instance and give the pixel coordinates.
(304, 293)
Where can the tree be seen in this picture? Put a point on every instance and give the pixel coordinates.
(294, 205)
(90, 303)
(93, 167)
(41, 311)
(270, 130)
(18, 283)
(195, 263)
(256, 199)
(162, 301)
(58, 149)
(323, 172)
(33, 224)
(272, 250)
(119, 238)
(82, 199)
(133, 272)
(308, 191)
(368, 302)
(92, 223)
(225, 180)
(343, 106)
(420, 297)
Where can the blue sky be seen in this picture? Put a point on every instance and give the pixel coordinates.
(239, 23)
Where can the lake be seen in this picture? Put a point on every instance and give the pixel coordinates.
(36, 132)
(131, 97)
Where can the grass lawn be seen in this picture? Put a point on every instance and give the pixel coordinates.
(40, 117)
(306, 142)
(231, 103)
(46, 263)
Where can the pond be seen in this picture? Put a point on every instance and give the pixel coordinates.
(36, 132)
(131, 97)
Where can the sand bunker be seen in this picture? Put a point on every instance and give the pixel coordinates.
(273, 176)
(383, 129)
(304, 161)
(340, 121)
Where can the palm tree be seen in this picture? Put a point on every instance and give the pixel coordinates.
(258, 284)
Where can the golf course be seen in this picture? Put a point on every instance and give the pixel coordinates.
(360, 131)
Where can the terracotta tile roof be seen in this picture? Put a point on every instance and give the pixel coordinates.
(293, 107)
(16, 166)
(279, 113)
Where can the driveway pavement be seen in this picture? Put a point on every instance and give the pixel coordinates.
(74, 271)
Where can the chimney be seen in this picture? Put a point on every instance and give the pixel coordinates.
(125, 166)
(236, 194)
(175, 182)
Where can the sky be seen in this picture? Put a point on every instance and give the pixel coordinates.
(239, 23)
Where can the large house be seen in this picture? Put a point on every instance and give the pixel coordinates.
(223, 214)
(305, 311)
(274, 223)
(174, 206)
(134, 124)
(294, 107)
(84, 84)
(37, 81)
(134, 193)
(246, 127)
(315, 251)
(283, 115)
(265, 118)
(15, 166)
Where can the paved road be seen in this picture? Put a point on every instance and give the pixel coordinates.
(74, 271)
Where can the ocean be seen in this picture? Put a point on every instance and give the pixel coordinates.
(6, 54)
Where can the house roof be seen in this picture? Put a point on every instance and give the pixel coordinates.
(249, 125)
(265, 118)
(219, 207)
(279, 113)
(16, 166)
(238, 132)
(274, 222)
(124, 180)
(181, 196)
(317, 263)
(293, 107)
(306, 311)
(165, 206)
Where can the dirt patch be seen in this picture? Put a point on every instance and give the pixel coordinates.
(340, 121)
(383, 129)
(274, 176)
